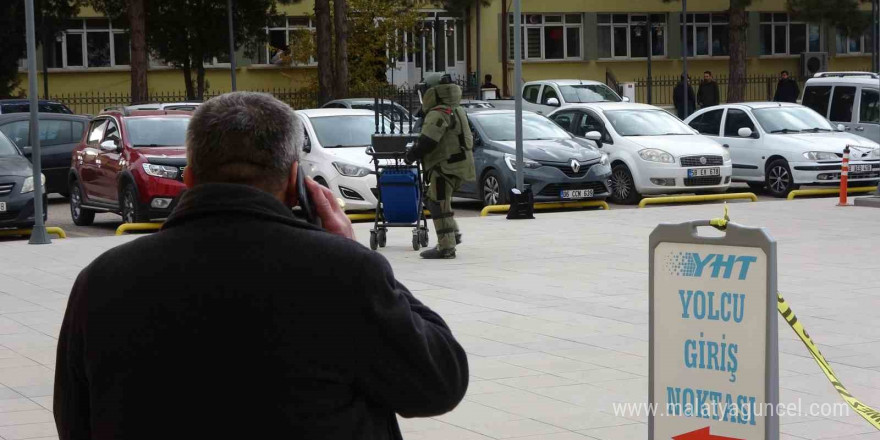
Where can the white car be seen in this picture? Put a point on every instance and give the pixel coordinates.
(562, 92)
(781, 146)
(848, 98)
(334, 153)
(651, 151)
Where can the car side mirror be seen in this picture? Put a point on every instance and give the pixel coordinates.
(27, 151)
(745, 132)
(110, 145)
(593, 136)
(626, 99)
(841, 127)
(307, 145)
(553, 102)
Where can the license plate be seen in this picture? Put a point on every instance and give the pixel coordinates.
(2, 206)
(865, 168)
(576, 193)
(704, 172)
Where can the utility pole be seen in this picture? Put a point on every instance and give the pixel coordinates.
(517, 91)
(650, 57)
(479, 55)
(231, 44)
(684, 56)
(38, 234)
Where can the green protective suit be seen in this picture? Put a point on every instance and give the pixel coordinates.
(445, 148)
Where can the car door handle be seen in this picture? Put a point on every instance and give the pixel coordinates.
(860, 128)
(725, 146)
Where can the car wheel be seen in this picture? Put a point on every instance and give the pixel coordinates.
(81, 216)
(756, 186)
(492, 190)
(132, 211)
(779, 179)
(623, 186)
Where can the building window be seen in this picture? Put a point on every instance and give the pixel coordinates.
(781, 36)
(279, 36)
(627, 36)
(90, 42)
(708, 35)
(859, 44)
(549, 36)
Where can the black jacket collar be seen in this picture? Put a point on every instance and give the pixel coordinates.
(212, 199)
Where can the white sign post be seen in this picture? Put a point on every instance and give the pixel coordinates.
(714, 370)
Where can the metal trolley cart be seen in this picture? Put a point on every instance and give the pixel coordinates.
(400, 186)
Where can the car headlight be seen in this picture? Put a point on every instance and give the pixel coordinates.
(510, 160)
(725, 156)
(349, 170)
(604, 159)
(875, 153)
(28, 185)
(165, 171)
(655, 155)
(820, 155)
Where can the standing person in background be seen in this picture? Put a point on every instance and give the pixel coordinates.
(487, 84)
(445, 147)
(678, 96)
(708, 94)
(787, 89)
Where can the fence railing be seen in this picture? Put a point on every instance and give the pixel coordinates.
(757, 88)
(93, 103)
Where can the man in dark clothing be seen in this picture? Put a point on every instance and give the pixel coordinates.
(707, 94)
(488, 83)
(787, 89)
(678, 99)
(238, 320)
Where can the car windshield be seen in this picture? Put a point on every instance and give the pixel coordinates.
(346, 131)
(6, 147)
(45, 107)
(588, 93)
(395, 111)
(791, 120)
(646, 123)
(500, 127)
(156, 132)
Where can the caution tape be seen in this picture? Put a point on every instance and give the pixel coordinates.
(869, 414)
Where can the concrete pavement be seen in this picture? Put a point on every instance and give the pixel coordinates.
(553, 313)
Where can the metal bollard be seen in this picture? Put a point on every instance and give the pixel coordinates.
(844, 177)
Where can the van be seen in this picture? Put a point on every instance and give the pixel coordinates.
(850, 99)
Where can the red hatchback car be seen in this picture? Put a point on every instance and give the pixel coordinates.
(130, 163)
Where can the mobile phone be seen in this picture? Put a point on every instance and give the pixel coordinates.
(305, 203)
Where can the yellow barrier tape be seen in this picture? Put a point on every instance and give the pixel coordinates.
(868, 413)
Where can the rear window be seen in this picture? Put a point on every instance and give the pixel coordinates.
(52, 132)
(156, 132)
(45, 107)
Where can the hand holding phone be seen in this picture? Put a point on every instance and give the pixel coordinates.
(326, 210)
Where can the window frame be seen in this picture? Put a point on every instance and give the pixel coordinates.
(864, 43)
(787, 24)
(710, 25)
(84, 32)
(720, 111)
(748, 115)
(861, 93)
(287, 28)
(563, 24)
(629, 25)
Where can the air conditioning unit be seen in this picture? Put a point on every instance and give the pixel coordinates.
(813, 63)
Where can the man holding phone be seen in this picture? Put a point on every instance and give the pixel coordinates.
(242, 321)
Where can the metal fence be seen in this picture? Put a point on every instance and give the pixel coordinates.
(757, 88)
(92, 103)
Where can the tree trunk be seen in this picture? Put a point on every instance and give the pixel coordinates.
(737, 75)
(324, 43)
(187, 78)
(139, 60)
(340, 19)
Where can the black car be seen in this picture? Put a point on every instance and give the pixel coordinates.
(59, 135)
(24, 106)
(16, 187)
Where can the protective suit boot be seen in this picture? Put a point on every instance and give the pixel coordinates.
(438, 254)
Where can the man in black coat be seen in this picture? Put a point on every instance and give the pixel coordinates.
(707, 94)
(787, 89)
(238, 320)
(678, 98)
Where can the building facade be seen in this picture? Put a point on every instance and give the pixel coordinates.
(582, 39)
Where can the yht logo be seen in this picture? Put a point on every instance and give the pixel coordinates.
(692, 264)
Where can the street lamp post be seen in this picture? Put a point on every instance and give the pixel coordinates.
(517, 87)
(38, 234)
(231, 44)
(684, 56)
